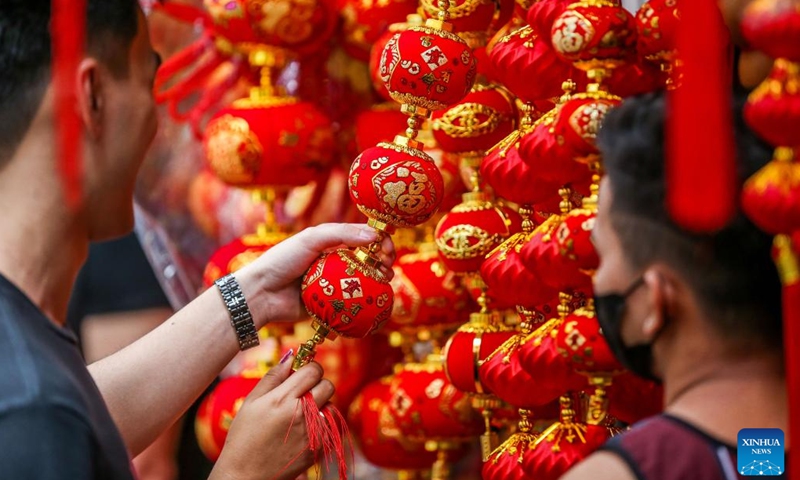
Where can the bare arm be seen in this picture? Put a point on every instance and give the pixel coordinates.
(151, 383)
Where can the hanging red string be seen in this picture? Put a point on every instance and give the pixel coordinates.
(68, 34)
(701, 176)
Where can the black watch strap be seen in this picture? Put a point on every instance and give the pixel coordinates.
(241, 319)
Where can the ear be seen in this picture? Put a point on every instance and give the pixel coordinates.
(90, 96)
(661, 297)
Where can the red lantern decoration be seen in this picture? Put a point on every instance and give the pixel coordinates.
(288, 144)
(428, 407)
(375, 58)
(542, 255)
(378, 436)
(513, 179)
(773, 109)
(573, 237)
(397, 185)
(657, 30)
(298, 26)
(594, 31)
(425, 293)
(475, 124)
(469, 232)
(523, 55)
(427, 67)
(236, 254)
(771, 197)
(632, 398)
(464, 15)
(552, 159)
(579, 120)
(580, 340)
(365, 22)
(216, 413)
(773, 26)
(346, 297)
(468, 347)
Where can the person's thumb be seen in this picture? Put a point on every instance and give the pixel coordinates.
(330, 235)
(274, 377)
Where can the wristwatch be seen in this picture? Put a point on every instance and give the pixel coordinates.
(241, 319)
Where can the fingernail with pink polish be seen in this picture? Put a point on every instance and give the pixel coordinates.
(286, 356)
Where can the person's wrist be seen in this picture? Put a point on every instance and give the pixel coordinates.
(255, 291)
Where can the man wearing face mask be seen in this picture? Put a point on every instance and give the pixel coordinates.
(701, 313)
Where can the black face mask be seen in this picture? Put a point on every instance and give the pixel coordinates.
(610, 310)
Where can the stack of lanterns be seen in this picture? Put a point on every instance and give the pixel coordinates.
(489, 303)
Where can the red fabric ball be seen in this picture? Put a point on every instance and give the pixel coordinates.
(426, 294)
(552, 159)
(475, 124)
(377, 435)
(580, 340)
(771, 197)
(398, 185)
(427, 406)
(552, 458)
(380, 123)
(633, 79)
(464, 353)
(773, 26)
(523, 55)
(469, 232)
(573, 237)
(347, 296)
(365, 22)
(235, 255)
(657, 30)
(216, 413)
(579, 120)
(427, 67)
(513, 179)
(586, 32)
(465, 15)
(299, 26)
(773, 108)
(375, 59)
(541, 254)
(283, 145)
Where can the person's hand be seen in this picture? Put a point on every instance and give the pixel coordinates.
(268, 438)
(279, 271)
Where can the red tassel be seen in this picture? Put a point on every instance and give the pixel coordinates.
(67, 31)
(324, 432)
(786, 258)
(701, 175)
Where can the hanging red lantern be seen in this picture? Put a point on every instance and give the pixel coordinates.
(216, 413)
(771, 197)
(428, 407)
(773, 109)
(475, 124)
(632, 398)
(231, 257)
(542, 255)
(468, 347)
(365, 22)
(397, 185)
(469, 231)
(773, 26)
(580, 340)
(427, 68)
(513, 179)
(375, 58)
(464, 15)
(573, 237)
(579, 120)
(550, 157)
(287, 144)
(657, 30)
(594, 31)
(346, 298)
(377, 435)
(524, 55)
(425, 293)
